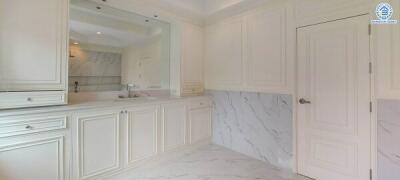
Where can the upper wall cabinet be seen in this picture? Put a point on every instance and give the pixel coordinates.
(251, 53)
(266, 50)
(224, 62)
(386, 45)
(33, 45)
(192, 59)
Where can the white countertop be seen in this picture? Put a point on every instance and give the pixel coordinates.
(120, 103)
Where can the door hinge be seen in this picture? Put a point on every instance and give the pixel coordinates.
(370, 106)
(370, 68)
(370, 174)
(369, 29)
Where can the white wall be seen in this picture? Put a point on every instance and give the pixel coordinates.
(144, 65)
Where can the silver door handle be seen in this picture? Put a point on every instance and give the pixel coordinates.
(303, 101)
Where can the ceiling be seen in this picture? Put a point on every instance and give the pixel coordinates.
(199, 11)
(209, 7)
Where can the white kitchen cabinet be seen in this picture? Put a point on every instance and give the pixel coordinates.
(37, 158)
(200, 124)
(33, 47)
(192, 60)
(386, 46)
(97, 143)
(224, 61)
(142, 133)
(173, 120)
(269, 66)
(252, 52)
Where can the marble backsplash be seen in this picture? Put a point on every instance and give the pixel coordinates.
(256, 124)
(94, 70)
(388, 140)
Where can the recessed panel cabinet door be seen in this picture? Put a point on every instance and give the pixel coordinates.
(200, 124)
(192, 53)
(334, 119)
(142, 133)
(224, 62)
(36, 159)
(173, 125)
(266, 50)
(98, 143)
(33, 44)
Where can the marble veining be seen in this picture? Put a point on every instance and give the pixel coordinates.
(95, 71)
(388, 140)
(206, 162)
(256, 124)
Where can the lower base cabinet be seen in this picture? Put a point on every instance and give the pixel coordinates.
(173, 131)
(200, 124)
(142, 128)
(98, 143)
(37, 158)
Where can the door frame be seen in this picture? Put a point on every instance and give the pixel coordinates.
(374, 114)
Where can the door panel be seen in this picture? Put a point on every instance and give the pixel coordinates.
(142, 133)
(334, 130)
(37, 159)
(266, 49)
(224, 49)
(200, 124)
(98, 143)
(173, 125)
(33, 53)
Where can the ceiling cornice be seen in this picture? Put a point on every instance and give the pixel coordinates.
(165, 8)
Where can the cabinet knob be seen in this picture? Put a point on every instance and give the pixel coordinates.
(28, 127)
(29, 99)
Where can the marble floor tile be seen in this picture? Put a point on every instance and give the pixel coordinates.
(207, 162)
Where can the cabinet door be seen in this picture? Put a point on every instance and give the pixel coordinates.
(192, 54)
(173, 125)
(33, 44)
(35, 159)
(224, 62)
(266, 50)
(142, 133)
(200, 124)
(98, 143)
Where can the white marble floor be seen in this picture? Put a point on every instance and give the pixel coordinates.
(207, 162)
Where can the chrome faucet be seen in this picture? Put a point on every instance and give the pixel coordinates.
(130, 88)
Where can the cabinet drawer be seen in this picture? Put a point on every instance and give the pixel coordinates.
(10, 100)
(33, 125)
(201, 103)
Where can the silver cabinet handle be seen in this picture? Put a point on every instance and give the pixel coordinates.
(28, 127)
(304, 101)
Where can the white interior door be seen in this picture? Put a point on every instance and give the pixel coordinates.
(334, 120)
